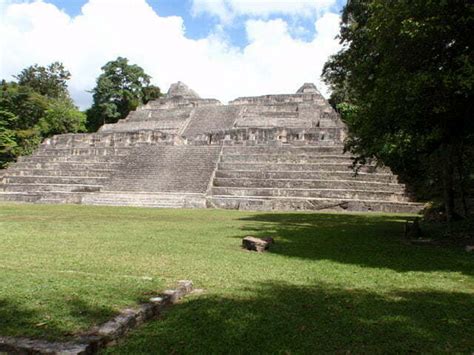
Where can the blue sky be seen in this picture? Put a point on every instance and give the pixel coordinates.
(200, 26)
(220, 48)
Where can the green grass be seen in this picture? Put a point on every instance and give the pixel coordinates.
(331, 283)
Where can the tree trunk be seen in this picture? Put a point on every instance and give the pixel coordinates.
(448, 191)
(462, 181)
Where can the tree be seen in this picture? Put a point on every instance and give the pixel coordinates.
(8, 142)
(27, 105)
(403, 83)
(150, 92)
(62, 117)
(36, 107)
(50, 81)
(120, 89)
(20, 111)
(13, 141)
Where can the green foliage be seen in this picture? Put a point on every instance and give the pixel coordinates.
(50, 81)
(62, 117)
(120, 89)
(150, 92)
(27, 141)
(36, 107)
(23, 102)
(20, 111)
(8, 142)
(408, 68)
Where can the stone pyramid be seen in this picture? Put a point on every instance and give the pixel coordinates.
(271, 152)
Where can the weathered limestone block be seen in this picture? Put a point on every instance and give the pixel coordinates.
(257, 244)
(11, 345)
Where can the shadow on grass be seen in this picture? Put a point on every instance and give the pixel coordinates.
(14, 318)
(18, 320)
(86, 314)
(366, 240)
(283, 318)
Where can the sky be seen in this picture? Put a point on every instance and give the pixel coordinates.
(222, 49)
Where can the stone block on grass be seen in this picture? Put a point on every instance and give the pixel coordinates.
(256, 244)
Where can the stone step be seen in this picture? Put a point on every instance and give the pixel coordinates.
(246, 139)
(304, 204)
(66, 166)
(270, 122)
(287, 158)
(19, 197)
(312, 175)
(174, 183)
(50, 201)
(284, 113)
(66, 173)
(115, 201)
(156, 114)
(146, 199)
(130, 126)
(308, 184)
(52, 150)
(49, 187)
(48, 197)
(295, 167)
(311, 193)
(42, 179)
(42, 197)
(266, 149)
(72, 158)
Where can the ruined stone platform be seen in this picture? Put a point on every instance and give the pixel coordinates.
(271, 152)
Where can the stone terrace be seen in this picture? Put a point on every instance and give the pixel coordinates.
(272, 152)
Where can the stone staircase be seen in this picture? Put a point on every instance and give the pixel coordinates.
(60, 175)
(162, 168)
(209, 119)
(160, 176)
(168, 121)
(307, 178)
(79, 171)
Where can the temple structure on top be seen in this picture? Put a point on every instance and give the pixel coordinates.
(180, 89)
(270, 152)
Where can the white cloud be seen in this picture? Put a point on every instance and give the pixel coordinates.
(272, 62)
(228, 9)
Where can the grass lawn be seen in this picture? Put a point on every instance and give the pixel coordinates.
(331, 283)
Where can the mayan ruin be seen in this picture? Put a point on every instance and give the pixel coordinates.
(236, 177)
(271, 152)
